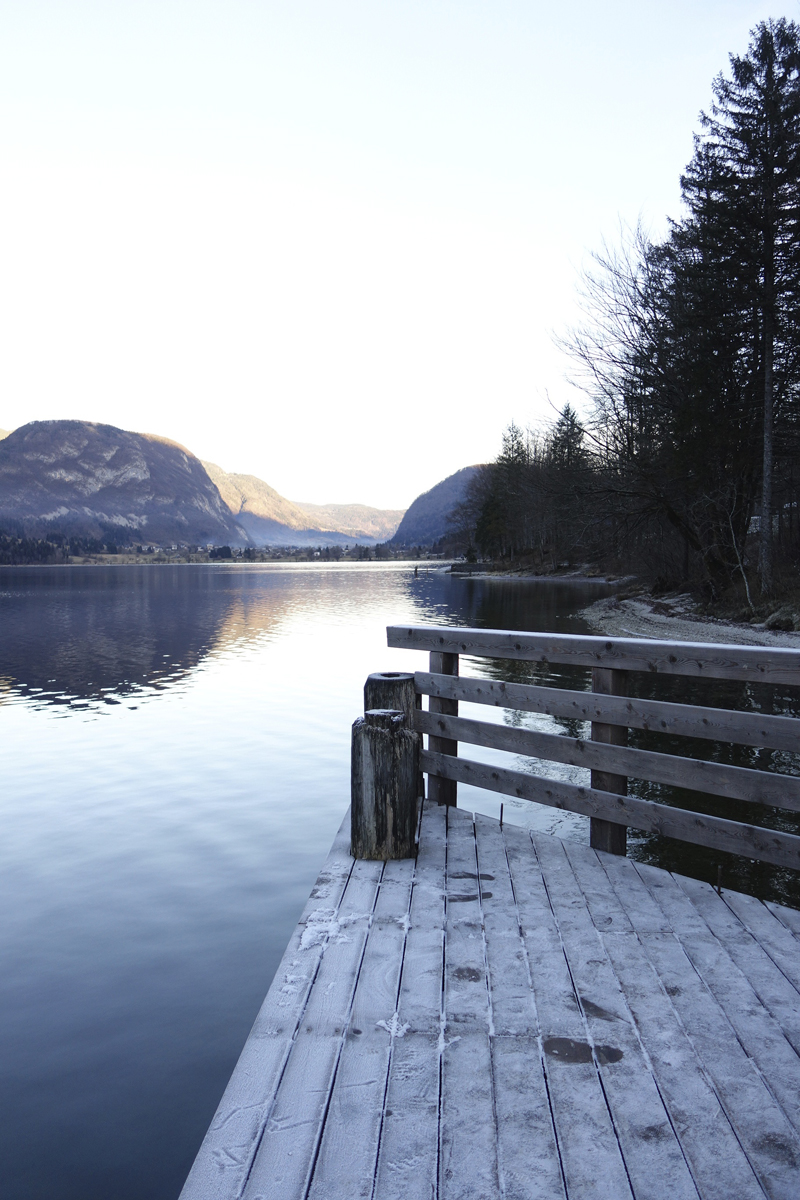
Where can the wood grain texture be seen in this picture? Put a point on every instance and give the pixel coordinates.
(782, 849)
(468, 1136)
(720, 779)
(761, 1125)
(409, 1149)
(284, 1159)
(774, 989)
(527, 1148)
(348, 1152)
(696, 659)
(719, 1165)
(790, 917)
(591, 1159)
(517, 1018)
(658, 716)
(443, 791)
(224, 1159)
(652, 1152)
(384, 786)
(609, 835)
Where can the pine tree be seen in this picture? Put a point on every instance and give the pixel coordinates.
(742, 191)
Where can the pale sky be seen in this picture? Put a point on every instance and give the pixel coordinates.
(328, 243)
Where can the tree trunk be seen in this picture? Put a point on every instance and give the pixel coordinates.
(765, 539)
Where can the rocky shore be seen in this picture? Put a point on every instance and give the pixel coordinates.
(677, 619)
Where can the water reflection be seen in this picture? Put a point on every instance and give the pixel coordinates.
(98, 635)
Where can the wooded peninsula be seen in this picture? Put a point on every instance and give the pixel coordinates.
(689, 356)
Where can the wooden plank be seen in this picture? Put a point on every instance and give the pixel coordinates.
(468, 1132)
(720, 779)
(408, 1165)
(773, 936)
(513, 1009)
(779, 996)
(529, 1161)
(766, 1135)
(285, 1155)
(409, 1149)
(790, 917)
(345, 1165)
(590, 1155)
(443, 791)
(760, 664)
(753, 841)
(715, 1156)
(653, 1156)
(658, 716)
(224, 1158)
(420, 1000)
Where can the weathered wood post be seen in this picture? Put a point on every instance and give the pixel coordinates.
(384, 785)
(608, 835)
(443, 791)
(392, 689)
(395, 689)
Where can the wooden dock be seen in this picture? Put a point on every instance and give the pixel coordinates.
(515, 1016)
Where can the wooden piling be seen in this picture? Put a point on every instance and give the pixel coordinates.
(392, 689)
(384, 786)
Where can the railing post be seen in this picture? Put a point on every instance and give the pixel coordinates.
(443, 791)
(608, 835)
(384, 785)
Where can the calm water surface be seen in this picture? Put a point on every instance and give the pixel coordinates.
(176, 758)
(176, 763)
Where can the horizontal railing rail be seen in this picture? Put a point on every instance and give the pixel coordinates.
(718, 833)
(699, 775)
(611, 714)
(656, 716)
(756, 664)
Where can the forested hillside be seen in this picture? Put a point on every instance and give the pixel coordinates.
(684, 466)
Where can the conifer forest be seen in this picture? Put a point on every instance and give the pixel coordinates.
(682, 466)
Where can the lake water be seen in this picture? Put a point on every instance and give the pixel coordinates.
(176, 763)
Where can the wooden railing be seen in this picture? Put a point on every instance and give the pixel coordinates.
(611, 713)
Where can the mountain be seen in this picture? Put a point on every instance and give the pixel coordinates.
(270, 519)
(358, 521)
(78, 477)
(92, 480)
(426, 520)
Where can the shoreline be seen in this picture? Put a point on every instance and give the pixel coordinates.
(527, 577)
(676, 620)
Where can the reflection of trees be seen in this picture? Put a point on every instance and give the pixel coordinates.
(94, 633)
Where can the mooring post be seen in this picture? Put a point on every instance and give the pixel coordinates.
(392, 689)
(608, 835)
(443, 791)
(384, 786)
(395, 689)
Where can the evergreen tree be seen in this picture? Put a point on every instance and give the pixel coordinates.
(742, 192)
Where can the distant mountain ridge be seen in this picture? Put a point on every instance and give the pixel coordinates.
(359, 521)
(427, 520)
(270, 518)
(89, 479)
